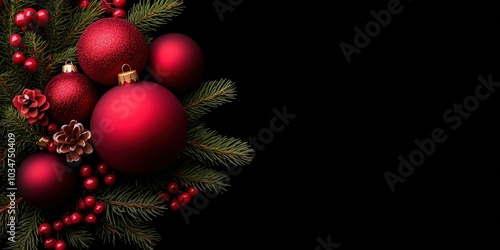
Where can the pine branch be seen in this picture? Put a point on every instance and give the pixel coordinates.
(126, 202)
(209, 95)
(212, 149)
(153, 182)
(79, 238)
(26, 234)
(193, 174)
(148, 16)
(142, 235)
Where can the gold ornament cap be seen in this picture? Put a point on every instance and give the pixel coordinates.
(127, 77)
(43, 142)
(68, 67)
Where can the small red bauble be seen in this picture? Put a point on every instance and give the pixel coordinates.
(172, 187)
(174, 205)
(86, 171)
(52, 128)
(119, 13)
(91, 184)
(30, 65)
(164, 196)
(44, 181)
(42, 17)
(76, 218)
(60, 245)
(49, 243)
(120, 3)
(84, 4)
(102, 168)
(66, 220)
(149, 116)
(58, 225)
(176, 62)
(15, 40)
(106, 7)
(193, 191)
(20, 20)
(72, 96)
(19, 58)
(89, 201)
(51, 147)
(106, 45)
(29, 14)
(81, 205)
(110, 179)
(184, 199)
(91, 219)
(44, 229)
(99, 208)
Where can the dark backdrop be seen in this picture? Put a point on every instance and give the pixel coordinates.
(322, 177)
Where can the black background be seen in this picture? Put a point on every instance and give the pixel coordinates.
(323, 175)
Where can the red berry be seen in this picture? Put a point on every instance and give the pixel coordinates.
(30, 65)
(52, 128)
(60, 245)
(76, 218)
(164, 196)
(58, 225)
(172, 187)
(66, 220)
(119, 13)
(174, 205)
(89, 201)
(91, 184)
(19, 58)
(81, 205)
(49, 243)
(84, 4)
(91, 219)
(45, 229)
(86, 171)
(29, 14)
(15, 40)
(120, 3)
(42, 17)
(99, 208)
(105, 6)
(102, 168)
(184, 199)
(51, 147)
(192, 191)
(110, 179)
(20, 20)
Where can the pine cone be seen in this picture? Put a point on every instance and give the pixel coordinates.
(32, 104)
(73, 140)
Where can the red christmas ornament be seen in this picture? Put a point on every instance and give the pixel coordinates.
(176, 62)
(106, 45)
(44, 181)
(71, 95)
(139, 128)
(99, 208)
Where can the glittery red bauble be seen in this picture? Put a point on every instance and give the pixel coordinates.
(176, 62)
(106, 45)
(72, 96)
(44, 181)
(139, 128)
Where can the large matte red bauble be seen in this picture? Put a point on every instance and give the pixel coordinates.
(44, 181)
(72, 96)
(176, 62)
(139, 128)
(106, 45)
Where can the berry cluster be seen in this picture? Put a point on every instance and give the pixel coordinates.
(177, 197)
(45, 230)
(27, 20)
(51, 129)
(114, 7)
(91, 183)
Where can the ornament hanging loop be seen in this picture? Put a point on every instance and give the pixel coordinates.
(68, 67)
(127, 77)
